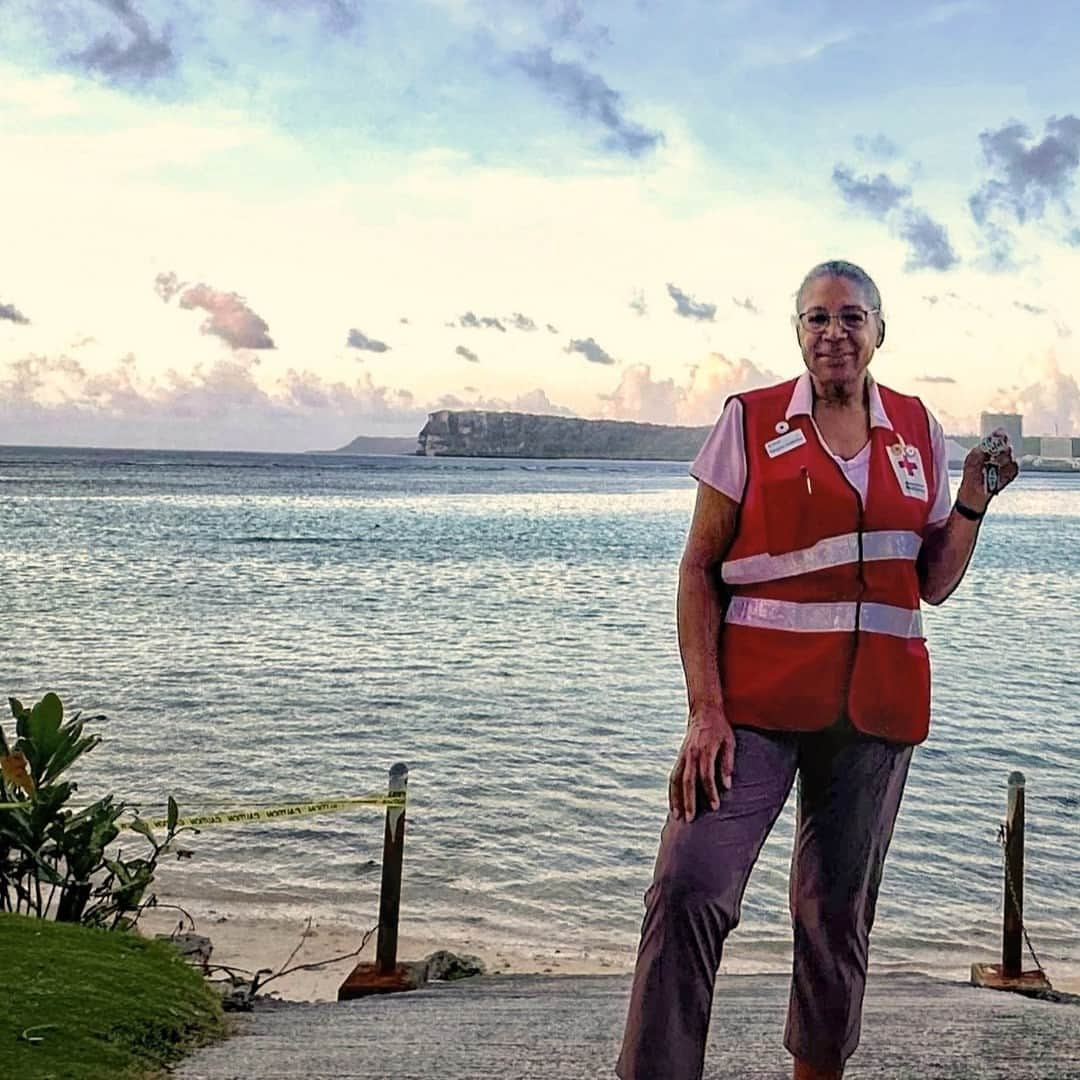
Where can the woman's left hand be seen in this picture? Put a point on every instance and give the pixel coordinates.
(973, 491)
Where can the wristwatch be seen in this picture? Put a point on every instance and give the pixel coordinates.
(967, 512)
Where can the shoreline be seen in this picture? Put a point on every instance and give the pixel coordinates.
(249, 942)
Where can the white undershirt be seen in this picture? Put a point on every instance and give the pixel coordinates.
(856, 469)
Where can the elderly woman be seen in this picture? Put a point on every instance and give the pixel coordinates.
(824, 503)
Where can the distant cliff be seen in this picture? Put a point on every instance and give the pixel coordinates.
(377, 444)
(450, 433)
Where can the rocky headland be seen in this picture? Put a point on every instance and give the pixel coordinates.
(377, 444)
(476, 433)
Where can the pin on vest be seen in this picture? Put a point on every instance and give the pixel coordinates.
(908, 468)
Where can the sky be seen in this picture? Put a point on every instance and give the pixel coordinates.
(279, 224)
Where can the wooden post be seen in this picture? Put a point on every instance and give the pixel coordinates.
(1012, 943)
(1010, 973)
(390, 890)
(387, 975)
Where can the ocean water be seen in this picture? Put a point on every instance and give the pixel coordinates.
(264, 628)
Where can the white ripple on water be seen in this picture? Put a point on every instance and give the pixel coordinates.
(282, 636)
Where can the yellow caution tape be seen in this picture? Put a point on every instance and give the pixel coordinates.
(264, 813)
(273, 813)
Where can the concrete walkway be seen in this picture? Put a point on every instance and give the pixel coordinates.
(519, 1027)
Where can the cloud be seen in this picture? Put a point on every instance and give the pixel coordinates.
(935, 379)
(205, 392)
(937, 14)
(552, 329)
(1027, 178)
(1033, 309)
(1050, 405)
(877, 146)
(637, 302)
(885, 200)
(928, 242)
(590, 350)
(564, 17)
(954, 298)
(10, 313)
(696, 402)
(876, 196)
(807, 42)
(339, 16)
(467, 353)
(567, 20)
(358, 340)
(167, 285)
(999, 246)
(522, 322)
(536, 22)
(640, 397)
(1072, 237)
(748, 304)
(586, 94)
(28, 375)
(135, 55)
(688, 307)
(951, 300)
(362, 398)
(533, 401)
(230, 318)
(218, 405)
(470, 320)
(713, 380)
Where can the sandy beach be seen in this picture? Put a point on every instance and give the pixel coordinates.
(248, 943)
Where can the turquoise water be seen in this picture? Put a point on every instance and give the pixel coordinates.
(263, 628)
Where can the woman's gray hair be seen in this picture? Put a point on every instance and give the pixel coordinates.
(840, 268)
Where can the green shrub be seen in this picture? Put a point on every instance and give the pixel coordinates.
(54, 859)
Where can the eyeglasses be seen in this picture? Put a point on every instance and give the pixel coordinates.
(816, 320)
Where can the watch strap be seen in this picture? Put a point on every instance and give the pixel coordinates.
(967, 512)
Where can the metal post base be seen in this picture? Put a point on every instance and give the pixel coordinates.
(366, 980)
(993, 977)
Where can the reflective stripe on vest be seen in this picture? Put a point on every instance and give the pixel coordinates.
(833, 551)
(823, 618)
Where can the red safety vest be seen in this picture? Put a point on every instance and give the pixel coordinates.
(823, 615)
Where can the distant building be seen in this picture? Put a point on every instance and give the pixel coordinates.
(955, 452)
(1013, 423)
(1054, 446)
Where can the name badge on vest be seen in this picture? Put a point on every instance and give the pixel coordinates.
(908, 467)
(783, 443)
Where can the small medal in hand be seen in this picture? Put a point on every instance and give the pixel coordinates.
(992, 445)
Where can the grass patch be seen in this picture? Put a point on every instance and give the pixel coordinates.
(105, 1005)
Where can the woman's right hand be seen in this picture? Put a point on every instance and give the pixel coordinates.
(708, 735)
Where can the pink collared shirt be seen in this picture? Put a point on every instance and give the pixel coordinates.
(721, 461)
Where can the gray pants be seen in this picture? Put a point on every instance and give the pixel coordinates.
(849, 794)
